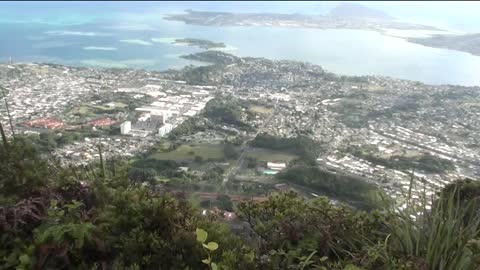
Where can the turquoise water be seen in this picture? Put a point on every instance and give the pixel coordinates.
(135, 35)
(269, 172)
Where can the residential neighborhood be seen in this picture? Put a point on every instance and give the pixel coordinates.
(363, 124)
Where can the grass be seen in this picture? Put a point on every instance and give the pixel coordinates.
(263, 154)
(260, 109)
(375, 88)
(440, 237)
(83, 110)
(472, 104)
(162, 179)
(188, 152)
(87, 109)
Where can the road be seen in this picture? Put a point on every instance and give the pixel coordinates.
(244, 149)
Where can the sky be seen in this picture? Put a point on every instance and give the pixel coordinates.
(452, 15)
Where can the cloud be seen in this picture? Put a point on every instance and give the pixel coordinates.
(137, 41)
(76, 33)
(94, 48)
(164, 40)
(131, 27)
(224, 49)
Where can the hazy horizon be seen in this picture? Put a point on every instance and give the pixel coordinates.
(458, 15)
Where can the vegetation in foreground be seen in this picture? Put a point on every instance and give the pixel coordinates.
(98, 217)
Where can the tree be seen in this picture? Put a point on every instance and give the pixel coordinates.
(230, 151)
(138, 176)
(251, 162)
(225, 203)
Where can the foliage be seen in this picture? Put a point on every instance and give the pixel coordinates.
(291, 228)
(64, 238)
(49, 141)
(198, 159)
(346, 188)
(216, 57)
(63, 222)
(307, 148)
(201, 43)
(202, 75)
(466, 190)
(161, 167)
(208, 248)
(230, 151)
(425, 162)
(214, 175)
(21, 170)
(139, 176)
(439, 239)
(57, 218)
(226, 110)
(251, 162)
(225, 202)
(190, 126)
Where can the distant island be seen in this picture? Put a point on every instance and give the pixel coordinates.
(344, 16)
(466, 43)
(201, 43)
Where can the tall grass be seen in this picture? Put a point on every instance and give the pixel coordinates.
(438, 239)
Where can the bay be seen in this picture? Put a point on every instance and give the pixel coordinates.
(115, 41)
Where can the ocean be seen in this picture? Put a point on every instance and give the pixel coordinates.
(135, 35)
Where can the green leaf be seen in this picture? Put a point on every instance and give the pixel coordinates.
(324, 258)
(214, 266)
(201, 235)
(206, 261)
(24, 259)
(211, 246)
(250, 256)
(53, 203)
(352, 267)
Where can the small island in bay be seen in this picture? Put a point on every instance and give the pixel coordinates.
(201, 43)
(214, 57)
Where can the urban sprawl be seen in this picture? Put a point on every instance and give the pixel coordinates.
(366, 126)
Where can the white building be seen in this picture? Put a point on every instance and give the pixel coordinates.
(164, 130)
(125, 127)
(276, 166)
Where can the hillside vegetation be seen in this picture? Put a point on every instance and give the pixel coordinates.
(103, 217)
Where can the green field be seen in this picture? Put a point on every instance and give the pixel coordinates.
(161, 179)
(89, 110)
(260, 109)
(188, 152)
(263, 154)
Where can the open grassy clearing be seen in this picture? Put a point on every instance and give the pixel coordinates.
(375, 88)
(161, 179)
(87, 109)
(188, 152)
(267, 155)
(260, 109)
